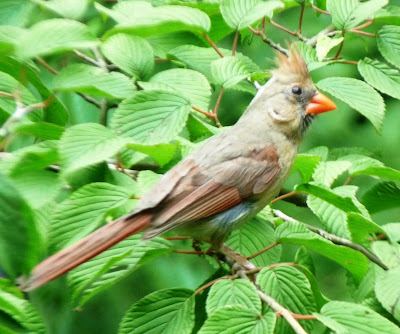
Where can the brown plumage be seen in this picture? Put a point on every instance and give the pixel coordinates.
(224, 183)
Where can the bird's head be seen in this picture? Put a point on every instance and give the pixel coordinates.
(290, 98)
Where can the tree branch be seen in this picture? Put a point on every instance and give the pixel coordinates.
(335, 239)
(214, 46)
(215, 112)
(269, 41)
(301, 18)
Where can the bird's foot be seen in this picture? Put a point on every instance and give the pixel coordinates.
(239, 262)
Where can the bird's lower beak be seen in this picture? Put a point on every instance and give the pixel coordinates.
(320, 103)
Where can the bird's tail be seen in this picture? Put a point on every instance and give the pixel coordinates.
(85, 249)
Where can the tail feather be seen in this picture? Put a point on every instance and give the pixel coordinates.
(85, 249)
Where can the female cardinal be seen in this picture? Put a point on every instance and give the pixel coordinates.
(223, 184)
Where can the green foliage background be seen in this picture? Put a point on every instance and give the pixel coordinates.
(44, 208)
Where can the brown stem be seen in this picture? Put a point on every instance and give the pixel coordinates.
(301, 18)
(340, 48)
(351, 62)
(204, 112)
(235, 41)
(299, 316)
(177, 238)
(215, 112)
(319, 10)
(182, 251)
(292, 264)
(347, 181)
(269, 41)
(46, 65)
(263, 25)
(359, 32)
(11, 96)
(284, 196)
(293, 33)
(276, 243)
(214, 46)
(160, 60)
(366, 24)
(205, 286)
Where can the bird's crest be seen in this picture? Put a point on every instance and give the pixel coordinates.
(292, 65)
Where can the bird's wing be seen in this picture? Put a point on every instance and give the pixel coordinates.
(192, 192)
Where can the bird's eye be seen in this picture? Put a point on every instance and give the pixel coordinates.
(297, 90)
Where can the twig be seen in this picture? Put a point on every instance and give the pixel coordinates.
(100, 60)
(263, 25)
(204, 112)
(340, 47)
(235, 41)
(177, 238)
(90, 99)
(269, 41)
(276, 243)
(46, 65)
(98, 63)
(292, 193)
(359, 32)
(19, 113)
(215, 112)
(366, 24)
(277, 25)
(214, 46)
(301, 18)
(159, 60)
(205, 286)
(329, 31)
(278, 308)
(182, 251)
(103, 112)
(335, 239)
(11, 96)
(86, 58)
(319, 10)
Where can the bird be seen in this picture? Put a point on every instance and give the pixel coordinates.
(222, 184)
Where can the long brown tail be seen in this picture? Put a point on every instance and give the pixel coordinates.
(82, 251)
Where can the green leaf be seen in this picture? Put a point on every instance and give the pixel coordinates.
(22, 312)
(345, 317)
(228, 292)
(92, 80)
(37, 156)
(296, 233)
(190, 84)
(359, 163)
(382, 172)
(42, 130)
(168, 311)
(388, 191)
(392, 230)
(328, 171)
(83, 211)
(290, 288)
(310, 56)
(132, 54)
(228, 71)
(238, 320)
(87, 144)
(161, 153)
(325, 44)
(347, 14)
(320, 151)
(305, 164)
(72, 9)
(254, 236)
(37, 186)
(142, 19)
(20, 241)
(342, 203)
(380, 76)
(333, 218)
(389, 15)
(55, 36)
(389, 253)
(387, 291)
(197, 58)
(239, 14)
(113, 265)
(360, 227)
(15, 12)
(358, 95)
(163, 43)
(151, 117)
(9, 85)
(387, 38)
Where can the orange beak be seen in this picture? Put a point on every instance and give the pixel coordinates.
(319, 103)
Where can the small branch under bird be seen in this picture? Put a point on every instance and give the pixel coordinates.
(224, 183)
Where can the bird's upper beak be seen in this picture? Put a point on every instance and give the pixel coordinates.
(320, 103)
